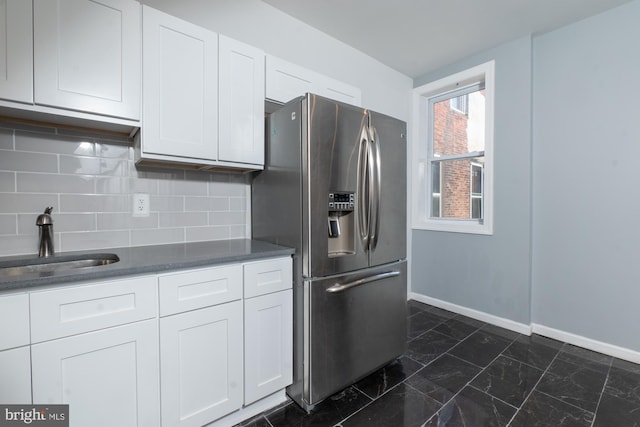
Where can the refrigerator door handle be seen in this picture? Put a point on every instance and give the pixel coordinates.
(363, 185)
(339, 287)
(376, 189)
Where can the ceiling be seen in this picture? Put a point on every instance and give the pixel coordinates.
(419, 36)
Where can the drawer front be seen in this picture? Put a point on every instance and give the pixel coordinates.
(190, 290)
(14, 321)
(62, 312)
(264, 277)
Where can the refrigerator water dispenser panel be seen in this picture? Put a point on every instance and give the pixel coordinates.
(341, 224)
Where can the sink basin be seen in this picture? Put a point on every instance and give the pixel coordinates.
(50, 266)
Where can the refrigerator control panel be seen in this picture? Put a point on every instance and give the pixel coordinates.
(341, 201)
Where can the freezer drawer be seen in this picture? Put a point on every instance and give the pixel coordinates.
(357, 324)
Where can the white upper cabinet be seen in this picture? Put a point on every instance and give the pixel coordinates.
(285, 81)
(180, 87)
(203, 97)
(87, 56)
(241, 102)
(16, 51)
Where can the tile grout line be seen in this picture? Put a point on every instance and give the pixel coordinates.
(604, 386)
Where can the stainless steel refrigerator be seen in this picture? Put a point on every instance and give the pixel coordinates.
(334, 188)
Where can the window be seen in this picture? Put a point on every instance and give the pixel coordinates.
(453, 153)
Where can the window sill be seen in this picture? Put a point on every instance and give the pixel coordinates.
(454, 226)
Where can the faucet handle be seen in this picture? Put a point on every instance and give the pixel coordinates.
(45, 218)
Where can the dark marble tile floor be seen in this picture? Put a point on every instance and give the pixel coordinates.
(460, 372)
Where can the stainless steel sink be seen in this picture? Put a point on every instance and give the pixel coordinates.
(53, 265)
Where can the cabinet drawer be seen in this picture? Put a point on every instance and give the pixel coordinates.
(62, 312)
(14, 321)
(263, 277)
(204, 287)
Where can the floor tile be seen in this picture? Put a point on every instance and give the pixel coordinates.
(388, 377)
(260, 421)
(508, 380)
(541, 410)
(444, 377)
(624, 381)
(445, 314)
(534, 350)
(577, 385)
(502, 332)
(326, 413)
(459, 327)
(414, 307)
(473, 408)
(402, 406)
(480, 348)
(421, 323)
(429, 346)
(614, 411)
(587, 358)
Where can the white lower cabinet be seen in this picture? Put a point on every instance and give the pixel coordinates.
(15, 376)
(201, 368)
(268, 352)
(108, 377)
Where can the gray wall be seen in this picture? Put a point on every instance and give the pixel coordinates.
(586, 202)
(490, 273)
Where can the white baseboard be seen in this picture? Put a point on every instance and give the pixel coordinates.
(521, 328)
(588, 343)
(578, 340)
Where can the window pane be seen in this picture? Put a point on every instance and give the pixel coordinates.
(455, 197)
(455, 132)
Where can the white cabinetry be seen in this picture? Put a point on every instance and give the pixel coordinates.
(15, 359)
(201, 350)
(180, 88)
(87, 56)
(285, 81)
(203, 96)
(268, 328)
(16, 51)
(108, 356)
(241, 102)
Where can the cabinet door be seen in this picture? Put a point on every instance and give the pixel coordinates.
(241, 102)
(180, 87)
(87, 56)
(15, 376)
(109, 377)
(201, 369)
(16, 51)
(285, 81)
(338, 90)
(268, 344)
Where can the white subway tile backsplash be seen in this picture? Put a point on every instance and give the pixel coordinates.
(45, 143)
(6, 139)
(200, 234)
(93, 240)
(93, 166)
(125, 221)
(7, 182)
(95, 203)
(8, 224)
(183, 219)
(28, 162)
(54, 183)
(27, 202)
(14, 245)
(90, 181)
(206, 204)
(157, 236)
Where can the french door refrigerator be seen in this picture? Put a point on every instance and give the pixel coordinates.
(334, 188)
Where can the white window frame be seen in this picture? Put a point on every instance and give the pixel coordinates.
(421, 169)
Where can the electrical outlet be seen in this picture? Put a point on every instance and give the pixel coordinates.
(140, 204)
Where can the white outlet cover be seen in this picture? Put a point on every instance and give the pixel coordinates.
(140, 205)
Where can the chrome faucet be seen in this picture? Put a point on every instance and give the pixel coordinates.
(45, 222)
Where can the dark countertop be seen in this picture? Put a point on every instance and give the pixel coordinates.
(146, 259)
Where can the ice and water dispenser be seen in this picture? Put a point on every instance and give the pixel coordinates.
(341, 223)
